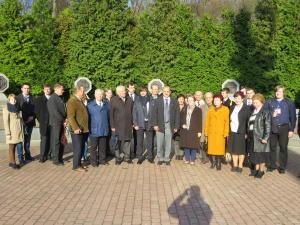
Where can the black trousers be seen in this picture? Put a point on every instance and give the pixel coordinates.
(145, 139)
(78, 148)
(98, 150)
(56, 147)
(282, 138)
(45, 144)
(124, 149)
(133, 144)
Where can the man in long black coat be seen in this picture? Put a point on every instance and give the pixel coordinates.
(121, 122)
(42, 115)
(57, 120)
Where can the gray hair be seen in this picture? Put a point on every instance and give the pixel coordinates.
(208, 93)
(99, 91)
(119, 88)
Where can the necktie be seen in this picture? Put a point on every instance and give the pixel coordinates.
(166, 111)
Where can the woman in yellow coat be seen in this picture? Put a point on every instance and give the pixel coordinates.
(217, 130)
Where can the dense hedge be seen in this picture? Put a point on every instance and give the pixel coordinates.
(105, 41)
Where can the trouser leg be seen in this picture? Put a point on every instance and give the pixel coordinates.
(283, 145)
(102, 149)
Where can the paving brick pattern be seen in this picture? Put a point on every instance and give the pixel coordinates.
(146, 194)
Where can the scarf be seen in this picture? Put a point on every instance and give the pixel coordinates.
(144, 100)
(13, 108)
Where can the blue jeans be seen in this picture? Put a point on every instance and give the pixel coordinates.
(20, 151)
(190, 154)
(27, 137)
(85, 147)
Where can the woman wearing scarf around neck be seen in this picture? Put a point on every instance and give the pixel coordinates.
(13, 125)
(217, 130)
(190, 130)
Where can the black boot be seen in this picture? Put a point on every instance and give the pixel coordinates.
(218, 162)
(259, 174)
(212, 161)
(253, 173)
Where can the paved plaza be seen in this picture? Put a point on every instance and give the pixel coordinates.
(146, 194)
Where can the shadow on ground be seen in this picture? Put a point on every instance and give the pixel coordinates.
(190, 207)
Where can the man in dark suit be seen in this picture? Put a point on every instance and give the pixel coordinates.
(226, 100)
(121, 123)
(42, 115)
(26, 104)
(57, 120)
(165, 121)
(133, 146)
(141, 116)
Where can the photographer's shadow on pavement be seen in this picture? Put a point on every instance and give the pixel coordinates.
(190, 208)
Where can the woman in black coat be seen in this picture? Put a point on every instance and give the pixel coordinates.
(190, 130)
(239, 115)
(259, 128)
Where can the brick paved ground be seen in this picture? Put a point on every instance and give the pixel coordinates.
(146, 194)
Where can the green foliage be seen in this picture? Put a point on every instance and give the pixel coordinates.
(105, 41)
(28, 45)
(99, 43)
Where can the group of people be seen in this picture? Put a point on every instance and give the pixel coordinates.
(217, 128)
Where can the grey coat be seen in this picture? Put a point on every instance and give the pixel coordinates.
(57, 110)
(158, 115)
(138, 113)
(261, 130)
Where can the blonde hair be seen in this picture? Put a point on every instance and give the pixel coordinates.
(11, 96)
(259, 97)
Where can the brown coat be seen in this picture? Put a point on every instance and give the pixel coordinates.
(13, 125)
(217, 129)
(121, 117)
(189, 138)
(77, 115)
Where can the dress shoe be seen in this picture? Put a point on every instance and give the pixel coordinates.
(281, 171)
(234, 169)
(14, 166)
(151, 161)
(140, 161)
(168, 163)
(84, 166)
(159, 163)
(259, 174)
(42, 160)
(118, 161)
(271, 169)
(29, 158)
(239, 170)
(253, 173)
(79, 169)
(22, 162)
(129, 161)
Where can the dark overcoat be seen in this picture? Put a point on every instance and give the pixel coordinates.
(121, 117)
(189, 137)
(42, 114)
